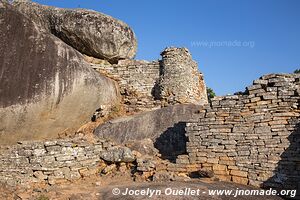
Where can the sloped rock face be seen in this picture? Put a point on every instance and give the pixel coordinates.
(152, 124)
(92, 33)
(46, 87)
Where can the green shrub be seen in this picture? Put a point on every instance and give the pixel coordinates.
(210, 93)
(297, 71)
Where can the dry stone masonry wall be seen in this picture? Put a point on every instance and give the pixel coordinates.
(248, 139)
(66, 160)
(51, 162)
(180, 81)
(136, 80)
(253, 138)
(146, 85)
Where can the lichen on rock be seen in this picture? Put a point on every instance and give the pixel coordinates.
(90, 32)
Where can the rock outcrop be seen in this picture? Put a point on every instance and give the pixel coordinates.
(146, 125)
(164, 127)
(46, 86)
(90, 32)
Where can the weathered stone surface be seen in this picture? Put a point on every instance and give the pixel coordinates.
(146, 125)
(109, 169)
(181, 81)
(205, 173)
(163, 176)
(145, 164)
(146, 85)
(251, 138)
(46, 87)
(145, 146)
(239, 140)
(137, 81)
(240, 180)
(239, 173)
(88, 31)
(48, 166)
(118, 154)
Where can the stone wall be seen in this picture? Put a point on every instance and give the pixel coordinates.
(252, 138)
(145, 85)
(66, 160)
(180, 81)
(136, 80)
(51, 161)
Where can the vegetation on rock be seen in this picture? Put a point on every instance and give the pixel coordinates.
(210, 93)
(297, 71)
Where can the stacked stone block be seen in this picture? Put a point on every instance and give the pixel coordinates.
(147, 85)
(252, 138)
(60, 161)
(137, 81)
(51, 162)
(180, 81)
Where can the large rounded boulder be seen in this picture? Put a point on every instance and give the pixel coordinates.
(46, 86)
(90, 32)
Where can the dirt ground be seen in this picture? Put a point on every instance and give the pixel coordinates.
(115, 187)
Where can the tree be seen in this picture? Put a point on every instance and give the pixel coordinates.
(210, 93)
(297, 71)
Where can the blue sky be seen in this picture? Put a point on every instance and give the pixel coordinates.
(233, 41)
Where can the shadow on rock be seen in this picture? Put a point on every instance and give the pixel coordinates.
(287, 173)
(172, 142)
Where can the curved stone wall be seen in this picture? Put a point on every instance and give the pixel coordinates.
(180, 80)
(146, 85)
